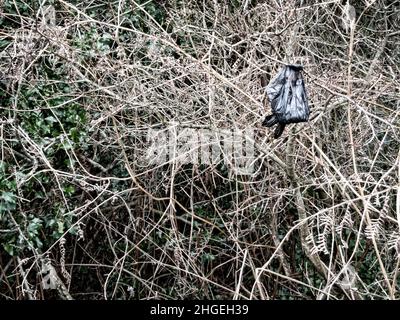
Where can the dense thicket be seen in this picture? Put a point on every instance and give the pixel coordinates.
(92, 92)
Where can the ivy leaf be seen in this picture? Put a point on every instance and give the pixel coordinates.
(9, 248)
(51, 119)
(8, 197)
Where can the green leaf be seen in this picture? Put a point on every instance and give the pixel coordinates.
(69, 190)
(51, 119)
(8, 197)
(9, 248)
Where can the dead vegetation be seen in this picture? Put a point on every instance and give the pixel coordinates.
(83, 83)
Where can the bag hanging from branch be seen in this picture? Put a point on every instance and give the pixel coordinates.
(287, 95)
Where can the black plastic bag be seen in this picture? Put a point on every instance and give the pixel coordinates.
(287, 95)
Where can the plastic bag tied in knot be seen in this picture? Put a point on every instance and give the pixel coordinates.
(288, 98)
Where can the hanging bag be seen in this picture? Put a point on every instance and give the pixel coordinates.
(288, 97)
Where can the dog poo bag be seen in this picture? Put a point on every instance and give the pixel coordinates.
(288, 98)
